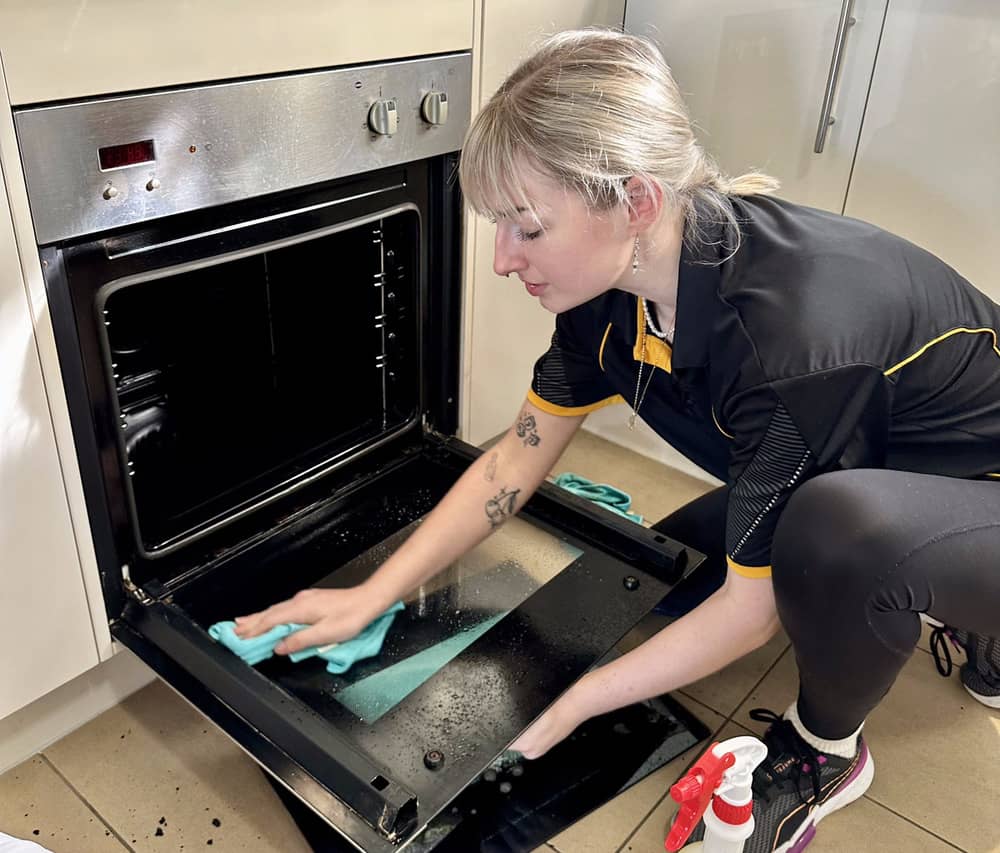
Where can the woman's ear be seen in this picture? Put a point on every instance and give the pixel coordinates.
(645, 202)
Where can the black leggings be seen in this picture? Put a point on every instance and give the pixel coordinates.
(856, 556)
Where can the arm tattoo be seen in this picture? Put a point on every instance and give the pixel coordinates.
(501, 506)
(491, 467)
(527, 431)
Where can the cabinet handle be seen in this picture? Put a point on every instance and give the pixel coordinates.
(847, 20)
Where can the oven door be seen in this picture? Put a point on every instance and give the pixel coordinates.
(261, 396)
(475, 657)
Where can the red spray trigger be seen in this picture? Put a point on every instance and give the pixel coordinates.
(694, 793)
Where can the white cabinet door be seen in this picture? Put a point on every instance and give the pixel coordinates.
(46, 636)
(508, 329)
(928, 166)
(755, 75)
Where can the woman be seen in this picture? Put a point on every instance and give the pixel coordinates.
(842, 382)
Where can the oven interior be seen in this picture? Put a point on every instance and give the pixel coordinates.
(234, 379)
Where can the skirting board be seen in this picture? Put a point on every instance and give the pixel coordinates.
(68, 707)
(611, 423)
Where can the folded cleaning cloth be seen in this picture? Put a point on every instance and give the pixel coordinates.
(340, 657)
(600, 493)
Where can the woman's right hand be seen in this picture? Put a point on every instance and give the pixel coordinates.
(333, 616)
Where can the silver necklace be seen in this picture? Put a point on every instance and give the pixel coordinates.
(637, 400)
(640, 389)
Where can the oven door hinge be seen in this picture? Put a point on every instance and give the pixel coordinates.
(138, 593)
(431, 432)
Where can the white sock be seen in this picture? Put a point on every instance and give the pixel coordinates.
(845, 747)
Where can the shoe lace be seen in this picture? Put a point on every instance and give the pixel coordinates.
(940, 636)
(783, 743)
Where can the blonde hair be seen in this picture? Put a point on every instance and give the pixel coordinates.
(592, 109)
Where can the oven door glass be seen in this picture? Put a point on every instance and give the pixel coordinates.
(235, 378)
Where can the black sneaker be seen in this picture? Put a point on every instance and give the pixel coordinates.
(980, 673)
(796, 786)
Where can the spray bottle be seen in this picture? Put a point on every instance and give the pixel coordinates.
(720, 778)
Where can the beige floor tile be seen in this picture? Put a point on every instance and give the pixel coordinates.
(775, 692)
(606, 829)
(938, 754)
(656, 490)
(935, 749)
(37, 805)
(724, 691)
(152, 764)
(867, 827)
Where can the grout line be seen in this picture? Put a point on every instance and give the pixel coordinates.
(758, 683)
(86, 802)
(912, 822)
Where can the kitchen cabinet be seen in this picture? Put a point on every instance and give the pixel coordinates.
(45, 627)
(61, 49)
(913, 145)
(927, 164)
(755, 75)
(507, 329)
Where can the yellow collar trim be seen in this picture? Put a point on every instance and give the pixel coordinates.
(658, 352)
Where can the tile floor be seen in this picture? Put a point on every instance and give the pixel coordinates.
(151, 775)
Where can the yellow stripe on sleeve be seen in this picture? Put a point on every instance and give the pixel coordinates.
(749, 571)
(962, 331)
(566, 411)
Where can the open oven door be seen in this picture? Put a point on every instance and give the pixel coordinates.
(475, 657)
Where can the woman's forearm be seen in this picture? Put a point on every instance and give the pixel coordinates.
(734, 621)
(493, 489)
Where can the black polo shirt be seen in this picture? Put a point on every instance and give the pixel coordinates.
(823, 343)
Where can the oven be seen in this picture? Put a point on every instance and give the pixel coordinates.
(255, 289)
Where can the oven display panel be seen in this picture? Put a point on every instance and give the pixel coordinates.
(129, 154)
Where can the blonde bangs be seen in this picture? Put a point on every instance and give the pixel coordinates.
(493, 165)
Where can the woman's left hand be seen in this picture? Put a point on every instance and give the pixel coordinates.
(557, 723)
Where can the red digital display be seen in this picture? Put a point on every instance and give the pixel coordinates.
(129, 154)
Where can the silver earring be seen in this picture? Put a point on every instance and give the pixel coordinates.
(635, 256)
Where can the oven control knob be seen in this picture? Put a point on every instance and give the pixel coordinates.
(383, 117)
(434, 108)
(110, 192)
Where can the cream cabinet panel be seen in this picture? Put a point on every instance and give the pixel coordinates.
(927, 162)
(509, 329)
(755, 74)
(61, 49)
(46, 636)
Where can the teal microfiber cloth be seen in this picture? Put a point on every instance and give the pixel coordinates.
(599, 493)
(340, 657)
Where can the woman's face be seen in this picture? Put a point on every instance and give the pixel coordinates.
(576, 253)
